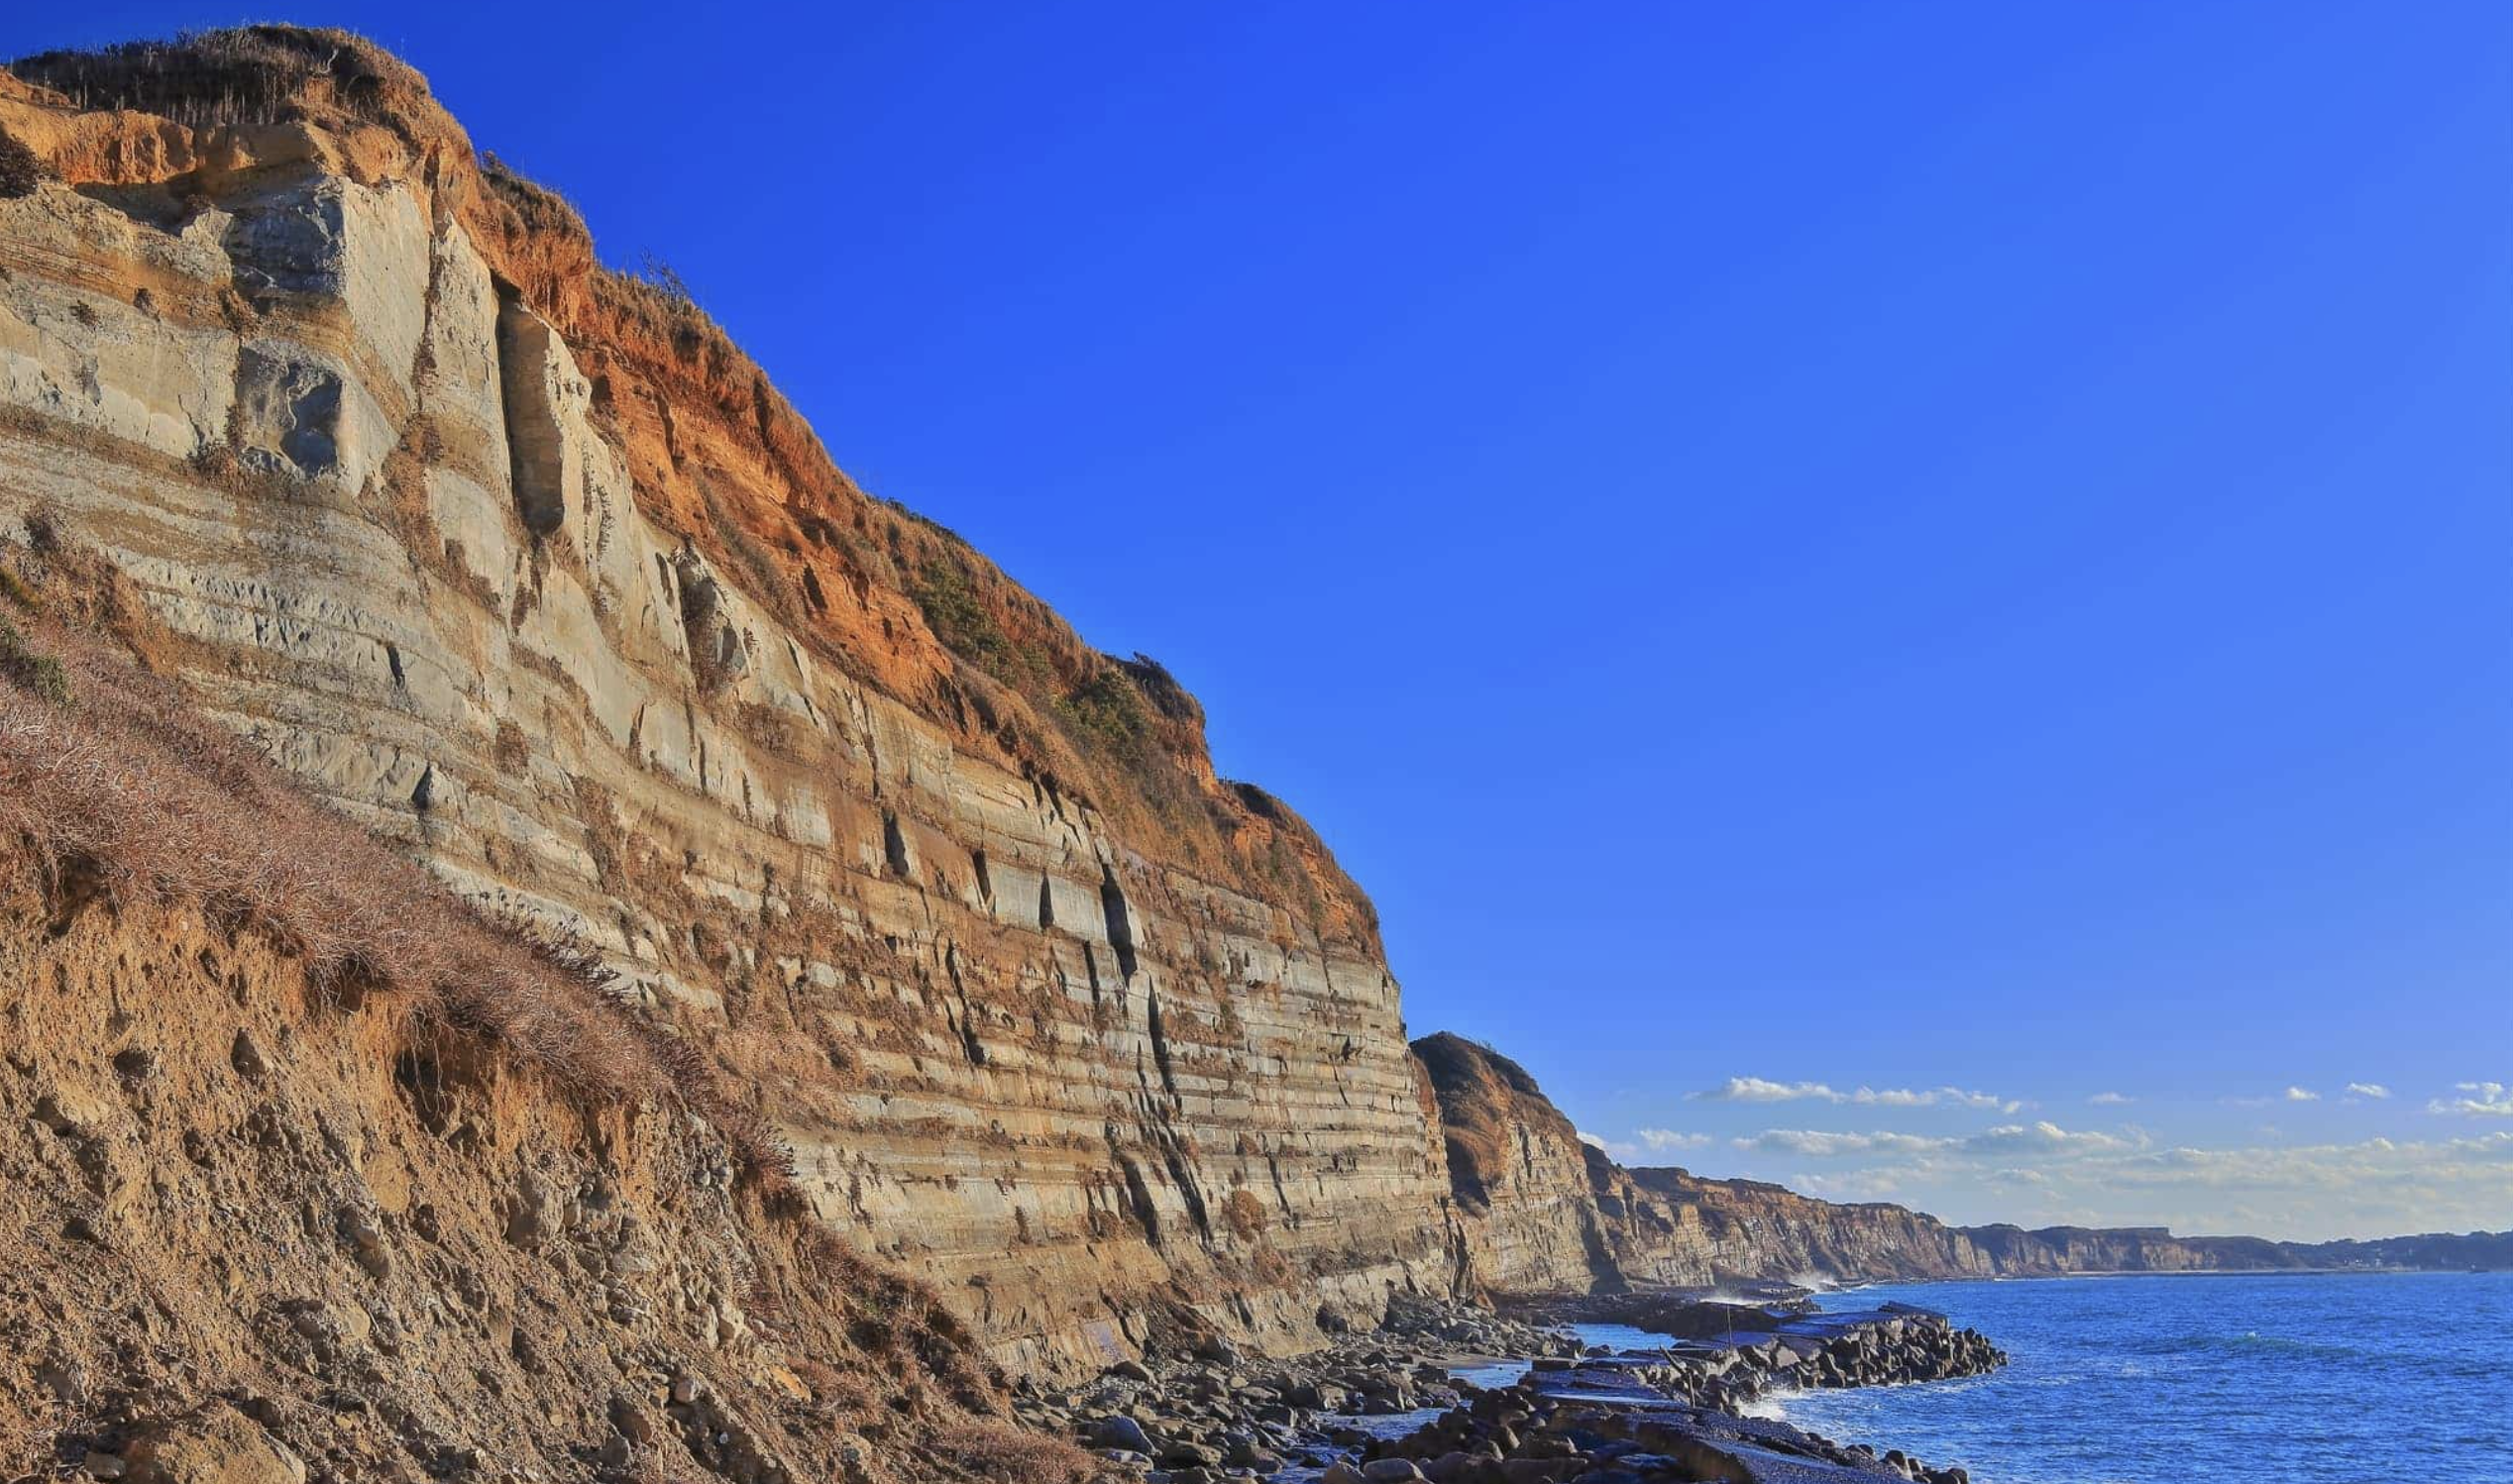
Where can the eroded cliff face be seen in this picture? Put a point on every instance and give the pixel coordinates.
(2011, 1251)
(1761, 1231)
(259, 1231)
(518, 562)
(1543, 1212)
(1528, 1214)
(1538, 1211)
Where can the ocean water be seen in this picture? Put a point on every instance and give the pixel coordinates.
(2205, 1380)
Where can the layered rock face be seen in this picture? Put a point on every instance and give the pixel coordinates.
(520, 562)
(2011, 1251)
(1545, 1214)
(1538, 1211)
(1527, 1208)
(1760, 1230)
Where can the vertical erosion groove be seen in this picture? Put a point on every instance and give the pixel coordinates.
(1120, 926)
(536, 444)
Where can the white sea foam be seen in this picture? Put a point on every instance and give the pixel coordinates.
(1771, 1405)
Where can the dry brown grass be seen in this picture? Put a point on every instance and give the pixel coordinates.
(126, 799)
(129, 790)
(1004, 1452)
(40, 673)
(244, 74)
(126, 793)
(834, 1393)
(901, 1318)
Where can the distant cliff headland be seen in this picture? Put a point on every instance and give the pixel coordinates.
(832, 992)
(1548, 1213)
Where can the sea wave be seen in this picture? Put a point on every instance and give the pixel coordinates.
(2252, 1343)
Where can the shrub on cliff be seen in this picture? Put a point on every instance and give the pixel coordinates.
(130, 791)
(666, 280)
(961, 620)
(1004, 1453)
(243, 75)
(20, 171)
(41, 674)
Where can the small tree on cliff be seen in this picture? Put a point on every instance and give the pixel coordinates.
(20, 171)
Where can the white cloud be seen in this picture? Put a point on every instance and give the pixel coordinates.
(2038, 1173)
(1645, 1142)
(2368, 1089)
(2487, 1162)
(2477, 1099)
(1858, 1185)
(1988, 1101)
(1761, 1090)
(2044, 1136)
(2302, 1095)
(2111, 1100)
(1659, 1140)
(1756, 1090)
(1817, 1144)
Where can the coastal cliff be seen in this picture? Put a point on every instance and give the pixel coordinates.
(518, 562)
(1547, 1214)
(1527, 1209)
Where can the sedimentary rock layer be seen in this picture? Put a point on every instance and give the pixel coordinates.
(1528, 1207)
(1544, 1213)
(520, 562)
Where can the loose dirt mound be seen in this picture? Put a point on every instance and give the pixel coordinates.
(306, 1173)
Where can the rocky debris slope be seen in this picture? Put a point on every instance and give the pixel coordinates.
(1218, 1413)
(275, 1207)
(251, 1222)
(522, 563)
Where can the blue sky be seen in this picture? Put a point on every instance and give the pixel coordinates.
(1897, 548)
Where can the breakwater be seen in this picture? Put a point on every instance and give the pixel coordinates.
(1404, 1403)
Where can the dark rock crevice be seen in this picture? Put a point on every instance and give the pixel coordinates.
(1159, 1036)
(536, 439)
(1121, 925)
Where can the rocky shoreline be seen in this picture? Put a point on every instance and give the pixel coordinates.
(1459, 1395)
